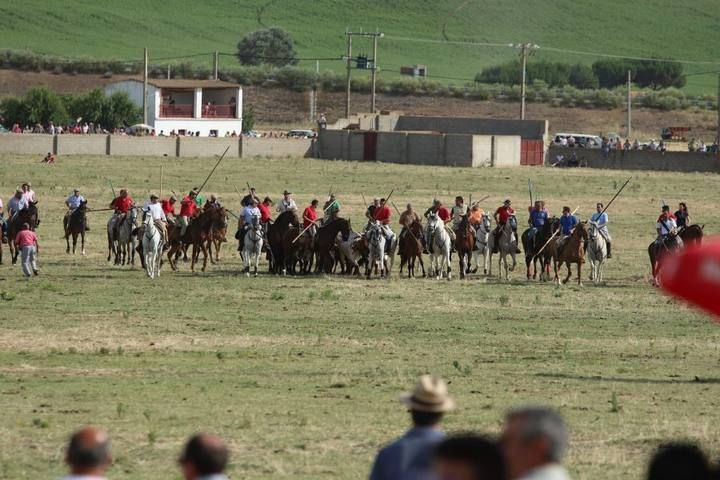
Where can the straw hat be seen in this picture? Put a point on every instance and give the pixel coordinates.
(430, 395)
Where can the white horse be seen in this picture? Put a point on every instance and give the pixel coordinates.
(252, 246)
(507, 245)
(597, 252)
(376, 246)
(439, 244)
(121, 242)
(483, 244)
(152, 247)
(348, 253)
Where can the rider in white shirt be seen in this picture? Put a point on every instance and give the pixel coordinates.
(287, 203)
(154, 209)
(73, 202)
(247, 214)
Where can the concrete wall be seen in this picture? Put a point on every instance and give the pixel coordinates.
(642, 160)
(331, 144)
(527, 129)
(425, 149)
(392, 147)
(506, 151)
(458, 150)
(82, 144)
(482, 151)
(143, 146)
(208, 147)
(26, 144)
(355, 147)
(276, 147)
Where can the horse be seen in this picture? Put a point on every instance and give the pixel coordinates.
(352, 252)
(275, 238)
(464, 244)
(325, 242)
(218, 234)
(121, 242)
(572, 252)
(692, 235)
(507, 245)
(439, 245)
(411, 248)
(75, 224)
(597, 252)
(532, 247)
(152, 246)
(657, 252)
(483, 244)
(377, 243)
(197, 234)
(27, 215)
(252, 246)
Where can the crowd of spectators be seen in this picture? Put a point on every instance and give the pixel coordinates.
(616, 144)
(531, 446)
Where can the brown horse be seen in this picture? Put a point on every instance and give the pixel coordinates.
(464, 244)
(275, 237)
(75, 224)
(572, 251)
(691, 235)
(325, 242)
(411, 248)
(218, 234)
(197, 234)
(28, 215)
(532, 249)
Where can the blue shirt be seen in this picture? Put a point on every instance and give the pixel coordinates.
(248, 213)
(409, 457)
(537, 218)
(567, 223)
(600, 219)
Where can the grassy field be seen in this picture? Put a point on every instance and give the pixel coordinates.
(656, 28)
(302, 375)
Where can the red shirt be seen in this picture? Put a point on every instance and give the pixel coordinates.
(25, 238)
(444, 214)
(187, 207)
(664, 217)
(382, 214)
(504, 213)
(309, 216)
(264, 212)
(122, 204)
(168, 207)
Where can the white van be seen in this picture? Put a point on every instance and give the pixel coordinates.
(582, 140)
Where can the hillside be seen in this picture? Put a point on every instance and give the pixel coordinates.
(103, 29)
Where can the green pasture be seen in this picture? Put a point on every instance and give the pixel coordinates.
(302, 375)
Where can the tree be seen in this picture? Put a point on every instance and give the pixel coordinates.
(582, 76)
(248, 119)
(119, 111)
(273, 46)
(40, 105)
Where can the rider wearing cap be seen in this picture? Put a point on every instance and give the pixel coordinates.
(567, 225)
(168, 207)
(287, 203)
(121, 205)
(538, 216)
(600, 218)
(444, 215)
(247, 214)
(155, 210)
(502, 216)
(73, 202)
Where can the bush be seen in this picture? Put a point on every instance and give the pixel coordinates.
(273, 46)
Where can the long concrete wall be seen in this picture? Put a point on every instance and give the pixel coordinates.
(527, 129)
(641, 160)
(506, 150)
(276, 147)
(208, 147)
(26, 144)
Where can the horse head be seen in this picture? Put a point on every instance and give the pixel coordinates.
(485, 222)
(344, 227)
(220, 217)
(581, 230)
(512, 222)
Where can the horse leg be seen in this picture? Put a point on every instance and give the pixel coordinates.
(461, 266)
(579, 278)
(82, 243)
(569, 272)
(67, 242)
(448, 266)
(469, 262)
(422, 265)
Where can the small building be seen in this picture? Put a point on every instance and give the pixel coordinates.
(415, 71)
(211, 107)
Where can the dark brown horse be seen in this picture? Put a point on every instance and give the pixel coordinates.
(28, 215)
(198, 234)
(464, 244)
(275, 236)
(690, 236)
(532, 249)
(572, 251)
(75, 224)
(411, 248)
(218, 234)
(325, 242)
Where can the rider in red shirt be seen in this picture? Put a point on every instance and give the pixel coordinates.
(168, 206)
(122, 203)
(382, 213)
(264, 208)
(310, 214)
(441, 211)
(503, 213)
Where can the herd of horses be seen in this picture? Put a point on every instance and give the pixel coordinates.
(337, 247)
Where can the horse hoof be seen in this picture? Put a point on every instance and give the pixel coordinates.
(83, 253)
(255, 275)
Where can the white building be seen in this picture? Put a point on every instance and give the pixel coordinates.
(211, 107)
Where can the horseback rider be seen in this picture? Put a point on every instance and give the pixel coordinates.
(600, 219)
(73, 202)
(16, 204)
(444, 215)
(28, 193)
(682, 217)
(567, 225)
(265, 212)
(187, 210)
(370, 212)
(407, 218)
(212, 202)
(538, 216)
(287, 203)
(475, 216)
(168, 207)
(247, 214)
(502, 216)
(309, 218)
(121, 205)
(666, 225)
(155, 210)
(246, 199)
(458, 211)
(199, 199)
(331, 209)
(383, 215)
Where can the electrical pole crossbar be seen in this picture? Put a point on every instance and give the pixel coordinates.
(364, 63)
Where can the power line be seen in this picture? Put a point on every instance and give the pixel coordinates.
(449, 42)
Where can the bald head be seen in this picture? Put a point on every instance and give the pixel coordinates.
(203, 455)
(89, 451)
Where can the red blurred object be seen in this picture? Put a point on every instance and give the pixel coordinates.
(693, 275)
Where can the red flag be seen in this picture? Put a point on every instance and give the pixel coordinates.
(693, 275)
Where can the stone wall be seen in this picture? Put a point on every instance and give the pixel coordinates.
(641, 160)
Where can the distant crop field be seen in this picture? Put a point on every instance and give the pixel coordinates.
(302, 375)
(119, 30)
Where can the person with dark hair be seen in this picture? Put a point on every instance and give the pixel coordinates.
(682, 216)
(469, 457)
(673, 461)
(88, 454)
(410, 457)
(204, 457)
(534, 441)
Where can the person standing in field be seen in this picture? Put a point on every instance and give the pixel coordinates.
(411, 456)
(88, 454)
(204, 457)
(26, 240)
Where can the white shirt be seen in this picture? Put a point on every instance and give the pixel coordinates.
(16, 204)
(29, 196)
(286, 205)
(155, 210)
(551, 471)
(248, 213)
(74, 201)
(667, 226)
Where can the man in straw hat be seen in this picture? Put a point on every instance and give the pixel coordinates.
(410, 457)
(287, 203)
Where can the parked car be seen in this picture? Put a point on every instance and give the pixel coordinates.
(252, 133)
(582, 140)
(301, 133)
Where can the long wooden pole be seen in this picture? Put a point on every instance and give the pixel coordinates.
(162, 171)
(213, 170)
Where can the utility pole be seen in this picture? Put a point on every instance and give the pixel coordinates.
(216, 65)
(168, 72)
(374, 71)
(525, 51)
(629, 105)
(314, 92)
(145, 85)
(718, 112)
(349, 70)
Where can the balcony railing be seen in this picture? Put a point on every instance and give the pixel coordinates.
(219, 111)
(177, 111)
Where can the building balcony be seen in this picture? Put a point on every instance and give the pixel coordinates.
(219, 111)
(176, 111)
